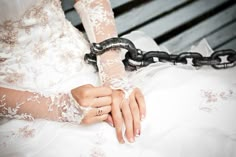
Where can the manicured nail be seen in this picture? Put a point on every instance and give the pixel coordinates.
(131, 140)
(137, 133)
(111, 124)
(122, 141)
(142, 117)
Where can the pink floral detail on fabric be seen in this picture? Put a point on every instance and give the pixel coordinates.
(211, 99)
(97, 152)
(26, 132)
(210, 96)
(14, 77)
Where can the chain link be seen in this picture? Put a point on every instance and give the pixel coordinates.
(136, 58)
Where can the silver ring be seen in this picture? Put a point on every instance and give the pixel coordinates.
(99, 112)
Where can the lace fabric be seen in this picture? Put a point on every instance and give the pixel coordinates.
(98, 20)
(32, 45)
(61, 107)
(31, 34)
(34, 58)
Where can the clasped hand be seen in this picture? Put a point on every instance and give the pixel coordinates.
(112, 106)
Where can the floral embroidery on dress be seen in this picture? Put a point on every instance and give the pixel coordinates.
(8, 34)
(37, 12)
(13, 77)
(67, 56)
(97, 151)
(18, 46)
(9, 29)
(211, 99)
(57, 3)
(39, 50)
(25, 132)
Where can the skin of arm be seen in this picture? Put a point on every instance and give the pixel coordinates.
(28, 100)
(29, 106)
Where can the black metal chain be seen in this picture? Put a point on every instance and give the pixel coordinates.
(136, 58)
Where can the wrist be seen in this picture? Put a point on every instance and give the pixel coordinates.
(71, 111)
(121, 84)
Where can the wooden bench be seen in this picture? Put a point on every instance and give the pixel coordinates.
(176, 24)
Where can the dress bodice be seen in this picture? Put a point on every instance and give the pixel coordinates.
(23, 23)
(39, 48)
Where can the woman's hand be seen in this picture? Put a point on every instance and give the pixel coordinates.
(97, 98)
(129, 112)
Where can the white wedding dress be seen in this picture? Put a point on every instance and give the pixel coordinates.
(190, 112)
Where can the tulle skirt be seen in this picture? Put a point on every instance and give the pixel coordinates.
(190, 113)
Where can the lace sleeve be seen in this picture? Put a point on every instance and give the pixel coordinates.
(29, 106)
(98, 20)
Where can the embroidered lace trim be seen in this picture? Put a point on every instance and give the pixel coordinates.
(61, 107)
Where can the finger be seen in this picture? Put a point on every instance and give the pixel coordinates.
(117, 117)
(102, 101)
(100, 91)
(128, 119)
(141, 103)
(95, 119)
(94, 111)
(136, 115)
(109, 120)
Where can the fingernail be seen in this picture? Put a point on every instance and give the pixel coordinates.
(122, 141)
(137, 133)
(142, 117)
(111, 124)
(131, 140)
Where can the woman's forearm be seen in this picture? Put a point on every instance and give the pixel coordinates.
(29, 106)
(99, 23)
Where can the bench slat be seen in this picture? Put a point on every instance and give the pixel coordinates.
(118, 3)
(222, 36)
(229, 45)
(73, 17)
(167, 20)
(219, 36)
(179, 17)
(189, 37)
(145, 12)
(68, 4)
